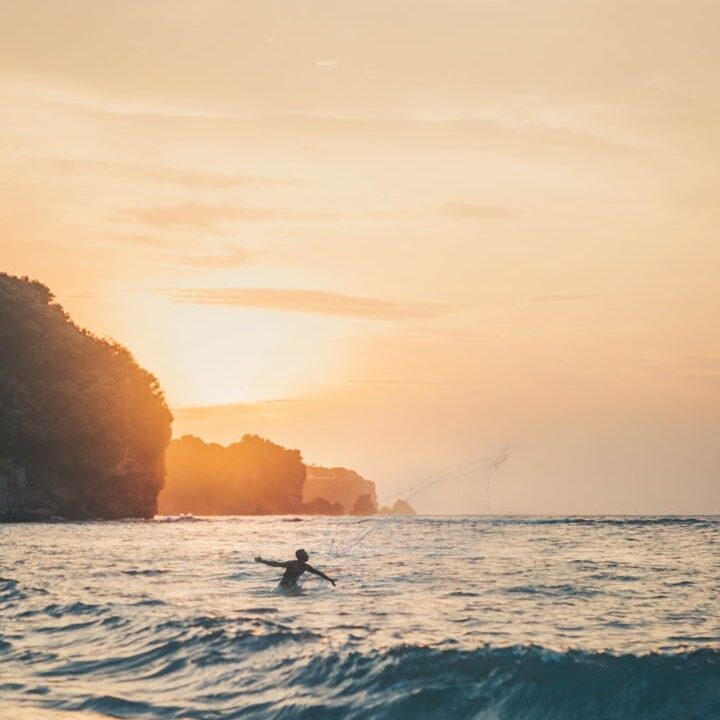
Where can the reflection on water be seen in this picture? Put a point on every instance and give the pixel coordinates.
(432, 617)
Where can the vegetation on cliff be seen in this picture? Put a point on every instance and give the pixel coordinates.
(250, 477)
(257, 477)
(83, 428)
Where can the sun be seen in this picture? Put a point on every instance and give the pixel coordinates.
(209, 355)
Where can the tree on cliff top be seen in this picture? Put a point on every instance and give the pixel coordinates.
(76, 410)
(250, 477)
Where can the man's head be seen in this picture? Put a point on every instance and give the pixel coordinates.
(301, 555)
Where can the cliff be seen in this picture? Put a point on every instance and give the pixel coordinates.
(257, 477)
(83, 428)
(250, 477)
(351, 491)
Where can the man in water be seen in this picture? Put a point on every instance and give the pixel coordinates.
(294, 569)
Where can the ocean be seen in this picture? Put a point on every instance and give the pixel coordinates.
(433, 617)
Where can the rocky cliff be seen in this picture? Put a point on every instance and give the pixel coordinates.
(351, 491)
(250, 477)
(83, 428)
(257, 477)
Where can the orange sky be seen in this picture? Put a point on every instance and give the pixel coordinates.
(397, 235)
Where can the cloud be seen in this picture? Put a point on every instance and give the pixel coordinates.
(404, 382)
(221, 422)
(465, 131)
(451, 210)
(569, 297)
(209, 412)
(314, 302)
(86, 295)
(143, 242)
(473, 211)
(484, 130)
(166, 250)
(194, 179)
(228, 258)
(200, 216)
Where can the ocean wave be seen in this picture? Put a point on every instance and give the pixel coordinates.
(619, 521)
(420, 682)
(184, 517)
(168, 646)
(10, 590)
(561, 590)
(75, 608)
(138, 620)
(509, 683)
(481, 523)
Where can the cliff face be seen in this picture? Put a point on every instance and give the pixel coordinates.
(251, 477)
(339, 485)
(257, 477)
(83, 428)
(321, 506)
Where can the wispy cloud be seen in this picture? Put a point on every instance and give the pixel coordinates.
(168, 251)
(207, 216)
(316, 302)
(468, 130)
(201, 216)
(404, 382)
(86, 295)
(167, 174)
(143, 242)
(206, 412)
(567, 298)
(228, 258)
(218, 421)
(474, 211)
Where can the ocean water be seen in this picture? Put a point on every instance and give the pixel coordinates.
(476, 617)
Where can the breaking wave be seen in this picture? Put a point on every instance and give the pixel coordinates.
(215, 661)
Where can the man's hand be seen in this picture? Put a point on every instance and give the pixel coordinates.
(333, 582)
(258, 559)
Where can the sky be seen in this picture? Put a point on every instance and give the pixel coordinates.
(399, 235)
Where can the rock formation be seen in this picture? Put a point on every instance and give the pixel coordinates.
(250, 477)
(257, 477)
(399, 507)
(343, 486)
(321, 506)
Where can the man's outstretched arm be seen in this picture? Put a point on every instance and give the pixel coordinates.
(271, 563)
(319, 573)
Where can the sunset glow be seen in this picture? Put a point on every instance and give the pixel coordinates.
(399, 236)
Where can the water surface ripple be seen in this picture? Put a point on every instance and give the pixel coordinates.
(502, 618)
